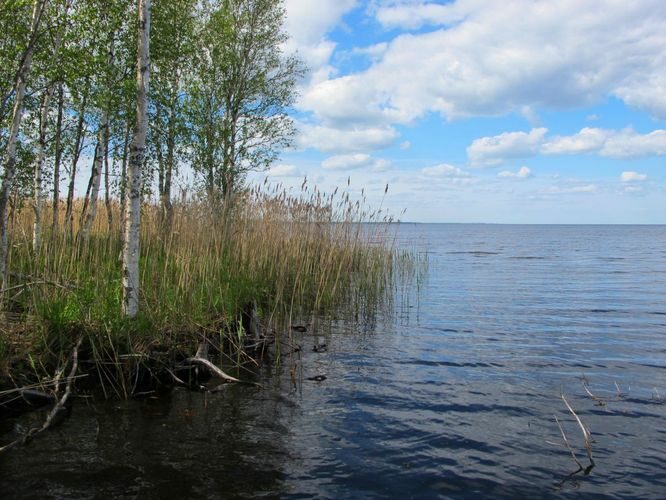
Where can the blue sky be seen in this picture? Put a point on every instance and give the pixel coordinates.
(519, 111)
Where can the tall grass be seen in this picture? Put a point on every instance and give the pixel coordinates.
(291, 255)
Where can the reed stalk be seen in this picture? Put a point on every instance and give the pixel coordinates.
(309, 254)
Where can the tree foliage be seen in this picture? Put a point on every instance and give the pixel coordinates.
(218, 104)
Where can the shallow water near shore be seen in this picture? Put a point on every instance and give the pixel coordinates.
(454, 396)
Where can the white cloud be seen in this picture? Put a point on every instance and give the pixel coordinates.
(372, 51)
(629, 144)
(625, 143)
(282, 170)
(576, 189)
(585, 141)
(523, 173)
(307, 23)
(415, 16)
(354, 140)
(444, 170)
(494, 150)
(622, 144)
(569, 54)
(630, 176)
(354, 161)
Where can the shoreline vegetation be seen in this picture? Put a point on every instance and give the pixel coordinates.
(233, 281)
(132, 287)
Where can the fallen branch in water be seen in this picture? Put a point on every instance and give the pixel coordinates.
(214, 369)
(180, 381)
(200, 359)
(619, 395)
(58, 406)
(598, 401)
(566, 443)
(587, 438)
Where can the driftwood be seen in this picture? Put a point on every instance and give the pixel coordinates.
(201, 359)
(587, 438)
(211, 367)
(59, 406)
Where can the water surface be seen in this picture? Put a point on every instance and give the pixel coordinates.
(453, 397)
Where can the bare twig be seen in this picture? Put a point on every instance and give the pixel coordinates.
(217, 371)
(180, 381)
(58, 406)
(199, 358)
(597, 399)
(586, 434)
(619, 395)
(656, 395)
(566, 442)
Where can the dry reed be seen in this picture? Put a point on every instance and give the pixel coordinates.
(291, 255)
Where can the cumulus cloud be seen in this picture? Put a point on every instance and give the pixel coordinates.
(354, 140)
(354, 161)
(569, 53)
(631, 176)
(577, 189)
(585, 141)
(494, 150)
(522, 173)
(444, 170)
(415, 16)
(307, 23)
(283, 170)
(629, 144)
(372, 51)
(619, 144)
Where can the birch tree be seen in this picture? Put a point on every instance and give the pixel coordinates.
(132, 214)
(240, 93)
(10, 148)
(171, 64)
(38, 197)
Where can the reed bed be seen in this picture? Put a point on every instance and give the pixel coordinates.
(289, 255)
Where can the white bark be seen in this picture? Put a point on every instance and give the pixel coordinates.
(102, 150)
(38, 197)
(132, 220)
(10, 157)
(95, 179)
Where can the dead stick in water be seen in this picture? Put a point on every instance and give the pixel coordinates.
(58, 406)
(198, 359)
(597, 399)
(217, 371)
(586, 434)
(566, 442)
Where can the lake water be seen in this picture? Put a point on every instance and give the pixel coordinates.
(454, 397)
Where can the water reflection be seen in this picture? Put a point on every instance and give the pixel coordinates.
(455, 397)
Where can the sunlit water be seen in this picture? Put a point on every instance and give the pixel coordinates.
(454, 397)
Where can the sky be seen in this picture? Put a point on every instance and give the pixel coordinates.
(512, 111)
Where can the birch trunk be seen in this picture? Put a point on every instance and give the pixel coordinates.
(123, 179)
(38, 198)
(132, 220)
(107, 188)
(58, 160)
(90, 206)
(10, 157)
(78, 146)
(92, 194)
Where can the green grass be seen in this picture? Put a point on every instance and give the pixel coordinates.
(293, 256)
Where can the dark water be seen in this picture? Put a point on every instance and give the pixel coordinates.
(456, 397)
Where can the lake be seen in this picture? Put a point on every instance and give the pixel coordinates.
(454, 396)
